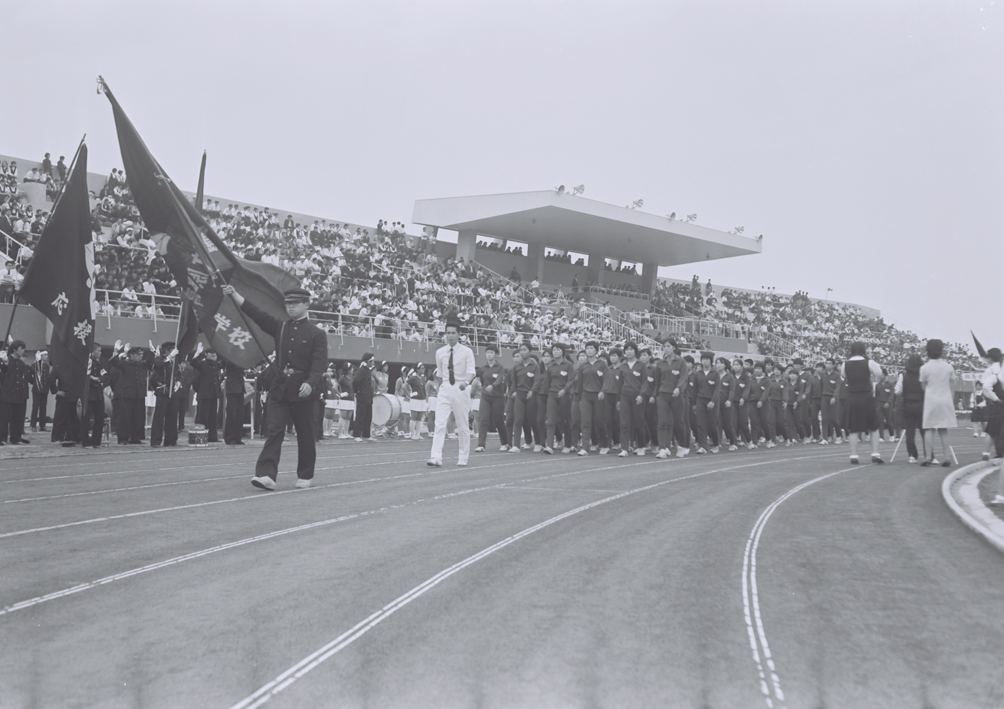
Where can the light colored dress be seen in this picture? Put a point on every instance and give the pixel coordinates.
(937, 377)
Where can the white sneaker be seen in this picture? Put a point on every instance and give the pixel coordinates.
(566, 449)
(434, 462)
(264, 482)
(538, 449)
(771, 444)
(514, 449)
(715, 449)
(911, 459)
(701, 451)
(751, 445)
(548, 450)
(504, 448)
(824, 442)
(462, 463)
(479, 449)
(583, 451)
(451, 436)
(623, 454)
(733, 448)
(639, 451)
(359, 440)
(604, 451)
(593, 449)
(526, 446)
(662, 454)
(303, 483)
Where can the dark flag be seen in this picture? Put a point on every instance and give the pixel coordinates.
(979, 347)
(60, 278)
(199, 260)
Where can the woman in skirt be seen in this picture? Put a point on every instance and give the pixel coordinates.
(911, 393)
(937, 377)
(861, 416)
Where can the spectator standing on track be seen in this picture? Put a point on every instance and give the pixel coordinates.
(362, 385)
(455, 367)
(909, 391)
(39, 390)
(301, 355)
(937, 377)
(860, 374)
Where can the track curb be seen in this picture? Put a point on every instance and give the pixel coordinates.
(961, 495)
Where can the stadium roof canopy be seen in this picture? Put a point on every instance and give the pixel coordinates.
(572, 223)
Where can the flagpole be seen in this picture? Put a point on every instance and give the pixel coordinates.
(62, 189)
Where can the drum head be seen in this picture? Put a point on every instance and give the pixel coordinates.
(381, 410)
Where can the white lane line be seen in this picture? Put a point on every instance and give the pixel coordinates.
(228, 463)
(751, 599)
(123, 489)
(301, 668)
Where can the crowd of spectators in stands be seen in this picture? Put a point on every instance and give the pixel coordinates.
(388, 284)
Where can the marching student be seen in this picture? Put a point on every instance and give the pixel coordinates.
(690, 399)
(709, 385)
(559, 400)
(668, 375)
(742, 410)
(524, 406)
(801, 413)
(493, 401)
(575, 418)
(727, 400)
(829, 408)
(540, 393)
(632, 405)
(760, 410)
(650, 418)
(455, 369)
(815, 399)
(591, 377)
(776, 397)
(611, 396)
(792, 399)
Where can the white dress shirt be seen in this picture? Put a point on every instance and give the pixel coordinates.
(463, 364)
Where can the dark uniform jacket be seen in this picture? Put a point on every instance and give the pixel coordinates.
(132, 381)
(100, 377)
(301, 353)
(210, 377)
(668, 375)
(495, 377)
(60, 385)
(16, 375)
(362, 382)
(162, 380)
(234, 377)
(39, 377)
(559, 376)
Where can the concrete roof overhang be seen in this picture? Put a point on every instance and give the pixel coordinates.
(572, 223)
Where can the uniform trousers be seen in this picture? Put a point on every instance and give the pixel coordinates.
(591, 413)
(39, 399)
(452, 400)
(728, 417)
(233, 427)
(558, 416)
(777, 422)
(887, 420)
(831, 417)
(92, 427)
(802, 416)
(707, 423)
(742, 414)
(65, 423)
(12, 420)
(364, 416)
(613, 419)
(492, 413)
(814, 407)
(280, 413)
(632, 420)
(575, 422)
(132, 420)
(791, 417)
(540, 427)
(651, 422)
(524, 414)
(206, 415)
(764, 421)
(671, 419)
(165, 422)
(913, 418)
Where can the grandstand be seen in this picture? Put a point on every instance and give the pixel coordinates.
(380, 289)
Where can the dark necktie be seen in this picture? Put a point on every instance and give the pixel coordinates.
(453, 379)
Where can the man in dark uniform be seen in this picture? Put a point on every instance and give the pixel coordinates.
(188, 375)
(493, 400)
(362, 385)
(210, 371)
(132, 392)
(65, 423)
(39, 390)
(14, 378)
(166, 383)
(233, 427)
(301, 357)
(94, 410)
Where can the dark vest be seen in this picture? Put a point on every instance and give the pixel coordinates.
(859, 378)
(912, 390)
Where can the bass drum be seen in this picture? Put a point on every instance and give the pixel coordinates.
(386, 409)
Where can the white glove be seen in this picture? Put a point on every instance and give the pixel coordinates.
(118, 345)
(3, 355)
(153, 347)
(198, 350)
(172, 354)
(127, 348)
(38, 356)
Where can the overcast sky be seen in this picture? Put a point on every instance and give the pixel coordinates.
(862, 139)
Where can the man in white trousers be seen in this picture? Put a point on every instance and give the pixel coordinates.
(455, 369)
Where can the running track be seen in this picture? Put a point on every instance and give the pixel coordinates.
(781, 578)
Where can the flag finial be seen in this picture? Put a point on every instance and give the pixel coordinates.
(102, 86)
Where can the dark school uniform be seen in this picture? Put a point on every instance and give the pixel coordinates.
(491, 411)
(591, 378)
(829, 406)
(775, 396)
(559, 402)
(208, 393)
(92, 426)
(611, 396)
(39, 394)
(132, 388)
(540, 390)
(709, 384)
(815, 402)
(668, 375)
(727, 399)
(166, 384)
(632, 413)
(65, 423)
(233, 389)
(742, 407)
(301, 358)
